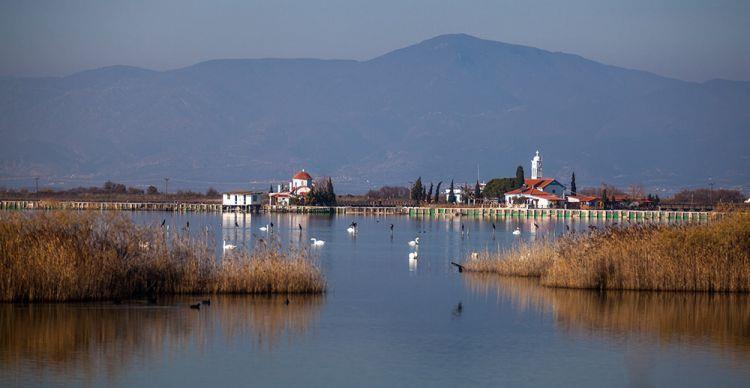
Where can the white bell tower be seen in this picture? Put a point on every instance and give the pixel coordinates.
(536, 166)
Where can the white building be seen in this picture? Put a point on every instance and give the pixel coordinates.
(537, 191)
(300, 185)
(240, 201)
(536, 166)
(457, 191)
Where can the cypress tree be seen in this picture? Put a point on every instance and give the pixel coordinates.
(429, 194)
(451, 194)
(573, 189)
(331, 196)
(519, 177)
(437, 192)
(477, 191)
(417, 190)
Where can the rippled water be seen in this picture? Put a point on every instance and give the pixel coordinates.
(385, 321)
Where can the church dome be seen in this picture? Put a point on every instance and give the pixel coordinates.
(302, 175)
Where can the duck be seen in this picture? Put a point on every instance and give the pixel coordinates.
(228, 246)
(351, 229)
(414, 242)
(317, 242)
(263, 228)
(517, 232)
(413, 255)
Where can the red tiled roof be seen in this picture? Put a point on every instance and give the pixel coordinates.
(536, 193)
(303, 175)
(583, 198)
(541, 182)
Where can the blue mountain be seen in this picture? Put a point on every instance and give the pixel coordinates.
(435, 109)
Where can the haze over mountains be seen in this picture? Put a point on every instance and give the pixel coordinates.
(435, 109)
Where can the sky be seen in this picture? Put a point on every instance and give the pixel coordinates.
(685, 39)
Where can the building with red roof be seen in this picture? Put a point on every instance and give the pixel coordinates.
(532, 197)
(537, 191)
(300, 185)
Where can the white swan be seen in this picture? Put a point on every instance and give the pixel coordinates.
(263, 228)
(317, 242)
(517, 231)
(414, 242)
(228, 246)
(413, 255)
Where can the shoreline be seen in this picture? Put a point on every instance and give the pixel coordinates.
(496, 212)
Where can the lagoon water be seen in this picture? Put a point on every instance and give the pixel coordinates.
(385, 321)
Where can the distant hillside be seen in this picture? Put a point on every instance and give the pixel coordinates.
(434, 109)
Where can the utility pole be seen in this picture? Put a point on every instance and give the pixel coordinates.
(166, 186)
(36, 184)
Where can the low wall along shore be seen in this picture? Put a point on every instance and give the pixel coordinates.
(499, 212)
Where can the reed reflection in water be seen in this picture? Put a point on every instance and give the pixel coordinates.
(99, 341)
(720, 321)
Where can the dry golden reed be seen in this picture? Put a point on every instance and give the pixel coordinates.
(67, 256)
(706, 257)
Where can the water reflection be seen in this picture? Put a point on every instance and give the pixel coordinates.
(721, 321)
(92, 341)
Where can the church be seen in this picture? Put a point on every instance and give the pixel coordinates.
(300, 185)
(537, 191)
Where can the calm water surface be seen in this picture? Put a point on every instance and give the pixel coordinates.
(385, 321)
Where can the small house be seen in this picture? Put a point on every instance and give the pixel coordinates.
(244, 201)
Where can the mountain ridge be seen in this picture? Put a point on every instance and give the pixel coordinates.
(435, 109)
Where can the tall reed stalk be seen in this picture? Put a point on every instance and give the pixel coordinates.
(67, 256)
(705, 257)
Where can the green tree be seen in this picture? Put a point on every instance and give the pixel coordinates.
(429, 194)
(152, 190)
(477, 191)
(497, 187)
(451, 194)
(330, 194)
(211, 192)
(322, 194)
(573, 189)
(417, 190)
(520, 179)
(437, 192)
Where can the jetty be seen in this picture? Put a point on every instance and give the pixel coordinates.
(432, 211)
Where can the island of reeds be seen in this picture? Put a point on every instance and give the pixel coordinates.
(713, 257)
(70, 256)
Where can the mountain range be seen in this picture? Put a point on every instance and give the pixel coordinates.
(440, 109)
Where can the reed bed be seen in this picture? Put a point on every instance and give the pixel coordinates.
(68, 256)
(711, 257)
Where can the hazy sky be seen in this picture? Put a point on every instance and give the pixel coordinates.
(687, 39)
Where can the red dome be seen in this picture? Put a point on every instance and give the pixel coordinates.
(302, 175)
